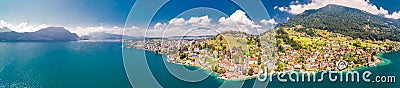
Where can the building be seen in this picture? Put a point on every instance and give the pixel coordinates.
(253, 61)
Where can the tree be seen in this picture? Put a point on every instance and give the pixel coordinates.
(221, 71)
(300, 59)
(182, 56)
(280, 67)
(215, 68)
(280, 48)
(259, 60)
(347, 21)
(251, 71)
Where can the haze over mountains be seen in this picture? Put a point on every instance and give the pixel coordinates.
(55, 34)
(348, 21)
(101, 36)
(46, 34)
(334, 18)
(5, 29)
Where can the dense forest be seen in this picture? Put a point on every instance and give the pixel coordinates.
(348, 21)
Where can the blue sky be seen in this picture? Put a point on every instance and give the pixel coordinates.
(65, 12)
(89, 13)
(390, 5)
(114, 12)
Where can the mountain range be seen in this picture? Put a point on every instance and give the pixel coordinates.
(347, 21)
(46, 34)
(333, 18)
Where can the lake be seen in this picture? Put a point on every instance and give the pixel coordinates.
(82, 64)
(62, 64)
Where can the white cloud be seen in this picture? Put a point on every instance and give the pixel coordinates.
(134, 27)
(4, 24)
(364, 5)
(22, 27)
(160, 25)
(203, 21)
(275, 7)
(238, 17)
(81, 31)
(285, 9)
(238, 21)
(115, 27)
(177, 21)
(200, 25)
(195, 21)
(269, 22)
(395, 15)
(294, 2)
(134, 31)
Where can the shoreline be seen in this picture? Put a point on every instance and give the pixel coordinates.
(384, 61)
(214, 74)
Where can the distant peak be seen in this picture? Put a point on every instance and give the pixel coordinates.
(59, 28)
(334, 5)
(54, 29)
(5, 29)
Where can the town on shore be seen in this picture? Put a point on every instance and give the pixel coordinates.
(240, 56)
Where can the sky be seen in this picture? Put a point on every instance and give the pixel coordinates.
(65, 12)
(177, 16)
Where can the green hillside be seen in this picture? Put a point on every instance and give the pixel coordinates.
(348, 21)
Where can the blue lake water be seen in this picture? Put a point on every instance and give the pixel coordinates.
(100, 65)
(62, 64)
